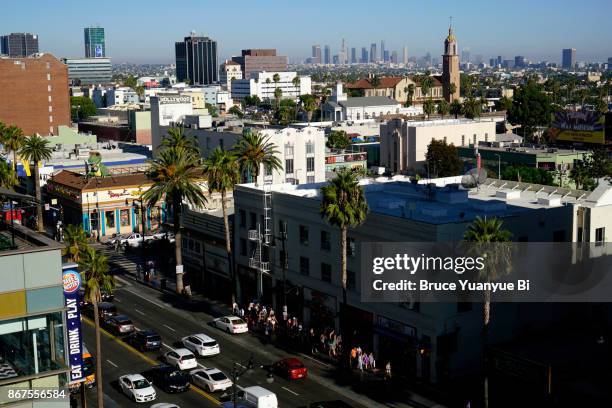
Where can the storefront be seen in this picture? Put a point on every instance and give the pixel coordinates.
(105, 206)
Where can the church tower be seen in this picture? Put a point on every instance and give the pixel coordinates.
(450, 66)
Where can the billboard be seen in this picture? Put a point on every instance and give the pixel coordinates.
(72, 282)
(578, 126)
(98, 51)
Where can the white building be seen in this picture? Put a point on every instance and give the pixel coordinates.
(121, 95)
(263, 86)
(403, 144)
(228, 72)
(215, 95)
(166, 111)
(340, 107)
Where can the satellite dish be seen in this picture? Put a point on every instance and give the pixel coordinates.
(474, 178)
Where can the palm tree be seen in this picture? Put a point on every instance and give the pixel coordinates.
(12, 139)
(253, 151)
(35, 149)
(344, 205)
(223, 173)
(278, 94)
(309, 105)
(456, 108)
(177, 138)
(296, 82)
(175, 173)
(96, 278)
(490, 240)
(75, 242)
(429, 107)
(427, 83)
(472, 107)
(443, 108)
(276, 78)
(452, 88)
(409, 94)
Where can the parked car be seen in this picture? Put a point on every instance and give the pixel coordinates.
(145, 340)
(105, 310)
(231, 324)
(210, 379)
(181, 358)
(120, 324)
(258, 397)
(106, 297)
(168, 378)
(290, 368)
(138, 388)
(134, 240)
(201, 345)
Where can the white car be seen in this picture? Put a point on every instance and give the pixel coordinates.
(181, 358)
(210, 379)
(201, 345)
(164, 405)
(231, 324)
(138, 388)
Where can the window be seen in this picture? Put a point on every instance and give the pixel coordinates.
(253, 219)
(110, 219)
(350, 280)
(351, 249)
(304, 266)
(50, 108)
(326, 272)
(50, 98)
(282, 227)
(50, 118)
(124, 217)
(289, 166)
(303, 235)
(267, 170)
(243, 247)
(486, 137)
(310, 179)
(325, 240)
(462, 140)
(196, 247)
(288, 150)
(190, 244)
(48, 77)
(474, 139)
(600, 236)
(310, 148)
(310, 164)
(242, 218)
(49, 88)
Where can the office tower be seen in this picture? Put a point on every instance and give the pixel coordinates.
(610, 63)
(386, 56)
(364, 55)
(393, 57)
(89, 71)
(500, 60)
(327, 55)
(405, 56)
(465, 54)
(492, 62)
(335, 60)
(519, 61)
(353, 55)
(34, 94)
(95, 43)
(568, 58)
(343, 54)
(17, 45)
(316, 54)
(196, 60)
(450, 67)
(382, 50)
(259, 60)
(479, 59)
(373, 52)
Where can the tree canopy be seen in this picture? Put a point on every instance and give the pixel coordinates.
(82, 107)
(530, 108)
(442, 159)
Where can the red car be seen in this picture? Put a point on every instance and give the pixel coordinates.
(291, 368)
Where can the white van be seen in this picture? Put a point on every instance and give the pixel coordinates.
(258, 397)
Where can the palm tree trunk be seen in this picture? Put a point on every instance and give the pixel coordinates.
(99, 390)
(15, 160)
(178, 239)
(343, 233)
(39, 208)
(228, 245)
(486, 317)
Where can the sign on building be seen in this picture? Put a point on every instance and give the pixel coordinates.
(72, 282)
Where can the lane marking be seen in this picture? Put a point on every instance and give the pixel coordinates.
(139, 312)
(116, 300)
(293, 392)
(144, 298)
(168, 327)
(111, 363)
(146, 358)
(240, 365)
(314, 359)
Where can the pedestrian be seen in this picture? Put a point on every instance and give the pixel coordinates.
(360, 361)
(353, 356)
(366, 361)
(388, 371)
(235, 309)
(372, 361)
(117, 243)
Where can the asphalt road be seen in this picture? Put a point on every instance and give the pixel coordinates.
(149, 308)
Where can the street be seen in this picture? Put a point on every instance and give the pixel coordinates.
(149, 308)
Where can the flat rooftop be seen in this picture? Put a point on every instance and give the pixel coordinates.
(25, 239)
(446, 201)
(539, 151)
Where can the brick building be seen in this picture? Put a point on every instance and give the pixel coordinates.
(34, 94)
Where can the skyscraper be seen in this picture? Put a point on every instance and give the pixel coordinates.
(327, 55)
(569, 58)
(465, 55)
(343, 55)
(450, 67)
(316, 54)
(373, 52)
(382, 50)
(405, 56)
(393, 57)
(95, 43)
(353, 55)
(196, 60)
(364, 55)
(519, 61)
(19, 45)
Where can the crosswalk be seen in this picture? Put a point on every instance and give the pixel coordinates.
(125, 262)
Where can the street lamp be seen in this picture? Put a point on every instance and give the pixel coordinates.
(144, 229)
(247, 367)
(498, 166)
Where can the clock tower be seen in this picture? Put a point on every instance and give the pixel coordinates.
(450, 66)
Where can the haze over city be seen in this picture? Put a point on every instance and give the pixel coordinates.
(141, 33)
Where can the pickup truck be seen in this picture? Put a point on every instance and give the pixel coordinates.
(135, 240)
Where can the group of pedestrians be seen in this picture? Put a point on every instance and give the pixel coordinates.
(362, 360)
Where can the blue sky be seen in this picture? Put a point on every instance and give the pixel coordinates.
(145, 31)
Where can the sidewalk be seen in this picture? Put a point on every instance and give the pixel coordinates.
(363, 385)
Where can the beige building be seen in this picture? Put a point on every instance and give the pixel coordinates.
(397, 88)
(403, 144)
(229, 71)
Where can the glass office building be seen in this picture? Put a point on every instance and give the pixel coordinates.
(95, 44)
(89, 71)
(196, 60)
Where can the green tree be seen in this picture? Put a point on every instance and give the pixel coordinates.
(602, 106)
(443, 108)
(222, 174)
(375, 81)
(82, 107)
(530, 108)
(12, 139)
(490, 241)
(427, 83)
(429, 107)
(344, 205)
(276, 78)
(252, 100)
(409, 94)
(131, 82)
(309, 104)
(472, 107)
(528, 175)
(177, 138)
(8, 176)
(338, 139)
(75, 242)
(278, 94)
(504, 104)
(175, 174)
(212, 109)
(296, 83)
(452, 88)
(456, 108)
(599, 164)
(254, 151)
(36, 149)
(234, 110)
(442, 159)
(581, 175)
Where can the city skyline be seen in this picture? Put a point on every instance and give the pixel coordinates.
(424, 33)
